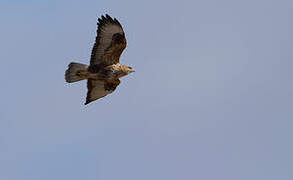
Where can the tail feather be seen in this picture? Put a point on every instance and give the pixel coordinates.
(76, 72)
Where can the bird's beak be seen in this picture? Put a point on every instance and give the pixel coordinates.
(131, 71)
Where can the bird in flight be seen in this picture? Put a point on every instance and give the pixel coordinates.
(105, 69)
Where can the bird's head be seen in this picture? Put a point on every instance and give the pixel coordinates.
(127, 69)
(130, 69)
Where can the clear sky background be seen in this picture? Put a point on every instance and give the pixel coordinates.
(211, 98)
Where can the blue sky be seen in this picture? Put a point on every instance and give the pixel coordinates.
(211, 97)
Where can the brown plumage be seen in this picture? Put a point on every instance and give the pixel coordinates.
(105, 69)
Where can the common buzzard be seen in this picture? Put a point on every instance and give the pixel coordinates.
(105, 69)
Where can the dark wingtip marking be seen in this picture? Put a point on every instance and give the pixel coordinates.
(87, 100)
(107, 19)
(103, 18)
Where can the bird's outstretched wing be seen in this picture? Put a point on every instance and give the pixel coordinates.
(110, 43)
(100, 88)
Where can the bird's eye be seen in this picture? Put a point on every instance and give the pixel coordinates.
(129, 67)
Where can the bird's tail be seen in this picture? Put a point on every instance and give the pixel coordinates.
(76, 72)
